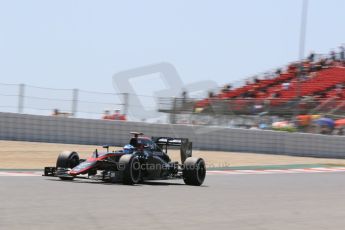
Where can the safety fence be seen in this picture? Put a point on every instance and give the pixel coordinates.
(98, 132)
(245, 106)
(30, 99)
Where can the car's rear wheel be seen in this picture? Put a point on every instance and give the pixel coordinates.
(66, 160)
(129, 165)
(194, 171)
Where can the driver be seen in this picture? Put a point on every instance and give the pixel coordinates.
(128, 149)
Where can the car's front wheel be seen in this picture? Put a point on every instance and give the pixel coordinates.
(129, 165)
(67, 160)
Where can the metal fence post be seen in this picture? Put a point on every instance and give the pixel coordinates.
(21, 98)
(300, 71)
(75, 102)
(125, 103)
(173, 114)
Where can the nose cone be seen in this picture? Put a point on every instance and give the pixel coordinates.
(83, 167)
(73, 173)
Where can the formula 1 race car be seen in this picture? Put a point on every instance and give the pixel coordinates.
(142, 159)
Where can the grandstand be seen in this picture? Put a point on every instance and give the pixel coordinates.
(312, 86)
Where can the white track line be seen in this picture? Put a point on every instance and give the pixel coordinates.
(276, 171)
(2, 173)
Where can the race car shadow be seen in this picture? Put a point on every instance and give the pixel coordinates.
(160, 183)
(152, 183)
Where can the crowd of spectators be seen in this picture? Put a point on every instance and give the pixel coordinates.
(303, 70)
(297, 85)
(116, 116)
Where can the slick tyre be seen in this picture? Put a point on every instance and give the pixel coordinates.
(67, 159)
(194, 171)
(129, 165)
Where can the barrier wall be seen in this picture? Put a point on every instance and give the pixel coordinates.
(98, 132)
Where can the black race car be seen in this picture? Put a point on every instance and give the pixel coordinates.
(142, 159)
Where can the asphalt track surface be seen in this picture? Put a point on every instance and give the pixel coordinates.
(276, 201)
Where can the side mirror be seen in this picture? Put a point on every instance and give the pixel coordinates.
(106, 147)
(95, 153)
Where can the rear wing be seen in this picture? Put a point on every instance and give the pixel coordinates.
(185, 145)
(169, 141)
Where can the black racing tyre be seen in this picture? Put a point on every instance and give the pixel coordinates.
(194, 171)
(67, 159)
(129, 165)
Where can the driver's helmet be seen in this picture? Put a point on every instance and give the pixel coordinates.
(128, 149)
